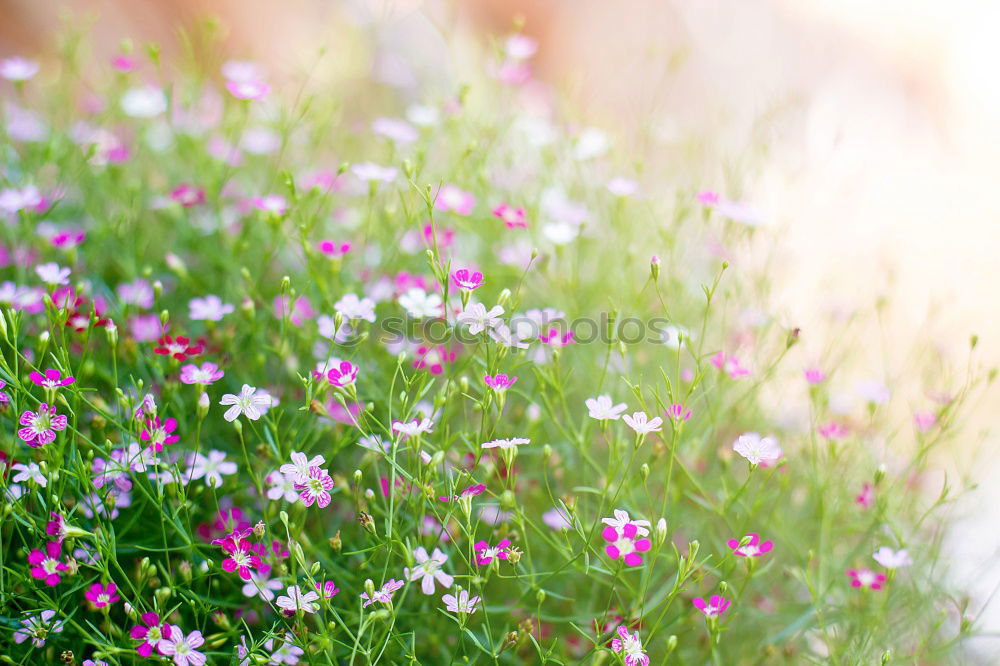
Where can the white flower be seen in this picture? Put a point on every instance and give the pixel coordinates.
(461, 604)
(211, 468)
(428, 569)
(561, 233)
(891, 559)
(351, 307)
(18, 69)
(248, 403)
(295, 600)
(282, 486)
(30, 471)
(413, 427)
(418, 303)
(601, 408)
(642, 424)
(373, 172)
(144, 102)
(503, 335)
(299, 467)
(622, 519)
(53, 273)
(374, 443)
(260, 584)
(506, 443)
(478, 318)
(757, 449)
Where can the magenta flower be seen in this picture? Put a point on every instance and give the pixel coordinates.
(208, 373)
(715, 607)
(466, 279)
(452, 198)
(514, 218)
(241, 558)
(327, 590)
(46, 565)
(499, 383)
(553, 338)
(300, 466)
(866, 578)
(630, 646)
(56, 527)
(343, 375)
(150, 635)
(622, 543)
(752, 549)
(333, 249)
(924, 420)
(102, 596)
(677, 413)
(40, 427)
(157, 433)
(866, 498)
(471, 491)
(188, 195)
(730, 365)
(485, 553)
(316, 488)
(52, 379)
(182, 648)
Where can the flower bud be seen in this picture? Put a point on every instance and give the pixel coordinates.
(661, 531)
(368, 523)
(503, 297)
(203, 404)
(654, 266)
(540, 597)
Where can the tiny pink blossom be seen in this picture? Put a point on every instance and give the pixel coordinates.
(622, 544)
(924, 420)
(248, 90)
(514, 218)
(861, 578)
(40, 427)
(271, 203)
(183, 649)
(333, 249)
(384, 594)
(188, 195)
(753, 548)
(485, 553)
(630, 646)
(715, 606)
(46, 565)
(464, 279)
(833, 430)
(102, 596)
(865, 498)
(316, 488)
(814, 376)
(208, 373)
(454, 199)
(677, 413)
(500, 383)
(52, 379)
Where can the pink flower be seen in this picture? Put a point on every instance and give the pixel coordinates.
(486, 553)
(298, 311)
(383, 595)
(188, 195)
(677, 413)
(630, 646)
(433, 359)
(46, 566)
(327, 590)
(316, 488)
(123, 63)
(241, 558)
(461, 603)
(150, 635)
(866, 578)
(102, 596)
(556, 339)
(708, 198)
(208, 373)
(56, 527)
(428, 570)
(866, 498)
(271, 203)
(464, 279)
(41, 426)
(730, 365)
(297, 600)
(300, 466)
(814, 376)
(715, 607)
(833, 430)
(210, 308)
(452, 198)
(514, 218)
(68, 239)
(343, 375)
(471, 491)
(248, 90)
(333, 249)
(642, 424)
(182, 648)
(924, 421)
(157, 433)
(52, 379)
(623, 544)
(499, 383)
(752, 549)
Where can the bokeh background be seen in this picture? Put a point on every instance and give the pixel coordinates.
(867, 134)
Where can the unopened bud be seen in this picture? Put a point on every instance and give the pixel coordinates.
(203, 404)
(503, 297)
(654, 266)
(367, 522)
